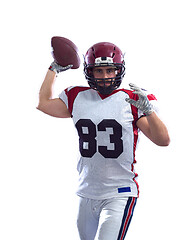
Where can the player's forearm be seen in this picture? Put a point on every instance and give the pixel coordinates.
(46, 89)
(158, 131)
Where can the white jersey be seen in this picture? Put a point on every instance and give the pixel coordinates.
(108, 138)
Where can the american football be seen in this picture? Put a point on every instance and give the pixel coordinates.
(65, 52)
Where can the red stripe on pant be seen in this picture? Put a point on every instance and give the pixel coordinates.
(128, 213)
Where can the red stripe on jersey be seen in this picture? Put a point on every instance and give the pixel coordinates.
(151, 97)
(72, 94)
(135, 131)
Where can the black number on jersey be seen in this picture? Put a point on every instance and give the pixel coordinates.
(87, 138)
(87, 134)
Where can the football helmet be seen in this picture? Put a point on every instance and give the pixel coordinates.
(100, 55)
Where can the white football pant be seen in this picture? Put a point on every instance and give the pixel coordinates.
(105, 219)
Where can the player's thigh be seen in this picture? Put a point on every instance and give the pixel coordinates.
(115, 218)
(87, 222)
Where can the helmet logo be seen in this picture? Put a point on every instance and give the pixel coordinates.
(103, 60)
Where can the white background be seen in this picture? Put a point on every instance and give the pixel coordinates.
(39, 153)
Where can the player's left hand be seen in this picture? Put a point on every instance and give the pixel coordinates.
(143, 102)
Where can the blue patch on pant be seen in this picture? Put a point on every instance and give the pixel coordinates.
(124, 189)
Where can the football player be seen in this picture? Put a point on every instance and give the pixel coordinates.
(108, 121)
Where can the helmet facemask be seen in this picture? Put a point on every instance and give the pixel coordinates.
(104, 86)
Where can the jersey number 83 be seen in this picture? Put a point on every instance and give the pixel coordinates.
(89, 137)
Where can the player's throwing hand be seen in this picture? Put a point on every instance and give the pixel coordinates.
(57, 68)
(143, 103)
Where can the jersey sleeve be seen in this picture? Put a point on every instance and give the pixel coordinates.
(64, 97)
(154, 102)
(69, 95)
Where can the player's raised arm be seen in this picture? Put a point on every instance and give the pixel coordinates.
(54, 107)
(65, 54)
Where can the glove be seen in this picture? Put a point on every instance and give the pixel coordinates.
(57, 68)
(143, 102)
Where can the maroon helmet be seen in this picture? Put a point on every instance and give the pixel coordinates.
(104, 54)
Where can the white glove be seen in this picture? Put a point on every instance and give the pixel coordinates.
(57, 68)
(143, 102)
